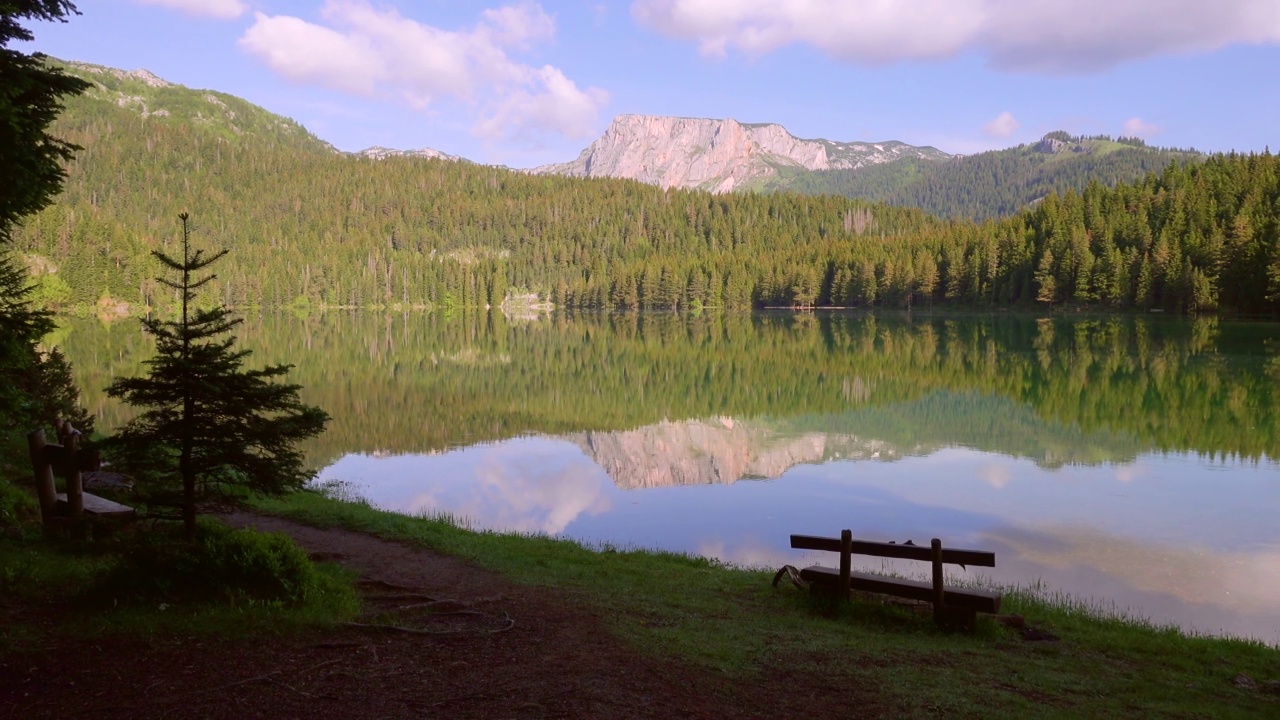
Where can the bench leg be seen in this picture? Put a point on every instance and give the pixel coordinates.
(960, 618)
(826, 594)
(939, 592)
(846, 562)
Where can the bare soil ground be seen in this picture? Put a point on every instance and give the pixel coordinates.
(511, 652)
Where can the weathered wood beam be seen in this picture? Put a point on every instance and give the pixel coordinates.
(951, 556)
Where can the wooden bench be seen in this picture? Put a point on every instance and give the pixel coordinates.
(950, 605)
(75, 508)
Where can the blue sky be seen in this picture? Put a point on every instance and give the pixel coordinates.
(526, 83)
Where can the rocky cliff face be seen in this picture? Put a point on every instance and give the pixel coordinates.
(718, 155)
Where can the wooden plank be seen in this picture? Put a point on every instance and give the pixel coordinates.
(951, 556)
(101, 507)
(987, 601)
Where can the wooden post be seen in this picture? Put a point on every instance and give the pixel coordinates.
(939, 593)
(43, 471)
(74, 486)
(846, 560)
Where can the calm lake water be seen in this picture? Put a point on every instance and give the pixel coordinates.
(1128, 462)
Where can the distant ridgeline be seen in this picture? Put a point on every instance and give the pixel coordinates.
(1067, 390)
(991, 184)
(310, 226)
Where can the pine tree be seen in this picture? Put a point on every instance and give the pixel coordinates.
(37, 385)
(208, 421)
(1046, 280)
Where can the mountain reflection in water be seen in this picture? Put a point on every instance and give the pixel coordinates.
(1131, 538)
(1120, 459)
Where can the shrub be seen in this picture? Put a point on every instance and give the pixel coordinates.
(223, 565)
(18, 509)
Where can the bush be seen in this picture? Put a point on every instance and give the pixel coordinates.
(223, 565)
(18, 508)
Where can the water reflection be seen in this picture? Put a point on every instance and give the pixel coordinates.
(720, 450)
(1171, 537)
(1123, 458)
(523, 485)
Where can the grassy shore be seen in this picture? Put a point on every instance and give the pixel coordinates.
(64, 577)
(93, 589)
(733, 621)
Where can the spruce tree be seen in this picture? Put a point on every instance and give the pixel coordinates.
(208, 422)
(31, 93)
(35, 383)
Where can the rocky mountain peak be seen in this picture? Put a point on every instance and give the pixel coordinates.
(377, 152)
(718, 155)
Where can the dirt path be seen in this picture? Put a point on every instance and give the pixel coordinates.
(553, 662)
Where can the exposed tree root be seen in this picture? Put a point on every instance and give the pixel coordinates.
(510, 623)
(405, 596)
(792, 574)
(366, 582)
(437, 607)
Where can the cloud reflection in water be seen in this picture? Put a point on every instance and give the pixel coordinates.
(1169, 537)
(521, 485)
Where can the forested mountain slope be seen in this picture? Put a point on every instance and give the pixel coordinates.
(307, 225)
(206, 112)
(990, 184)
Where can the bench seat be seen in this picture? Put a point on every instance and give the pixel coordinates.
(99, 507)
(970, 598)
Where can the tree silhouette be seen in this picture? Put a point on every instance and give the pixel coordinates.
(30, 99)
(37, 385)
(208, 421)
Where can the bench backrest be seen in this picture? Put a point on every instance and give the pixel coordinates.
(955, 556)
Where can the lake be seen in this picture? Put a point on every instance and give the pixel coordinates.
(1129, 462)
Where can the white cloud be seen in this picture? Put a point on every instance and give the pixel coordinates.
(1016, 35)
(310, 53)
(221, 9)
(1137, 127)
(1002, 126)
(518, 25)
(560, 105)
(371, 51)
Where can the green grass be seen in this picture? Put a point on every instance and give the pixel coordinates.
(732, 621)
(64, 588)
